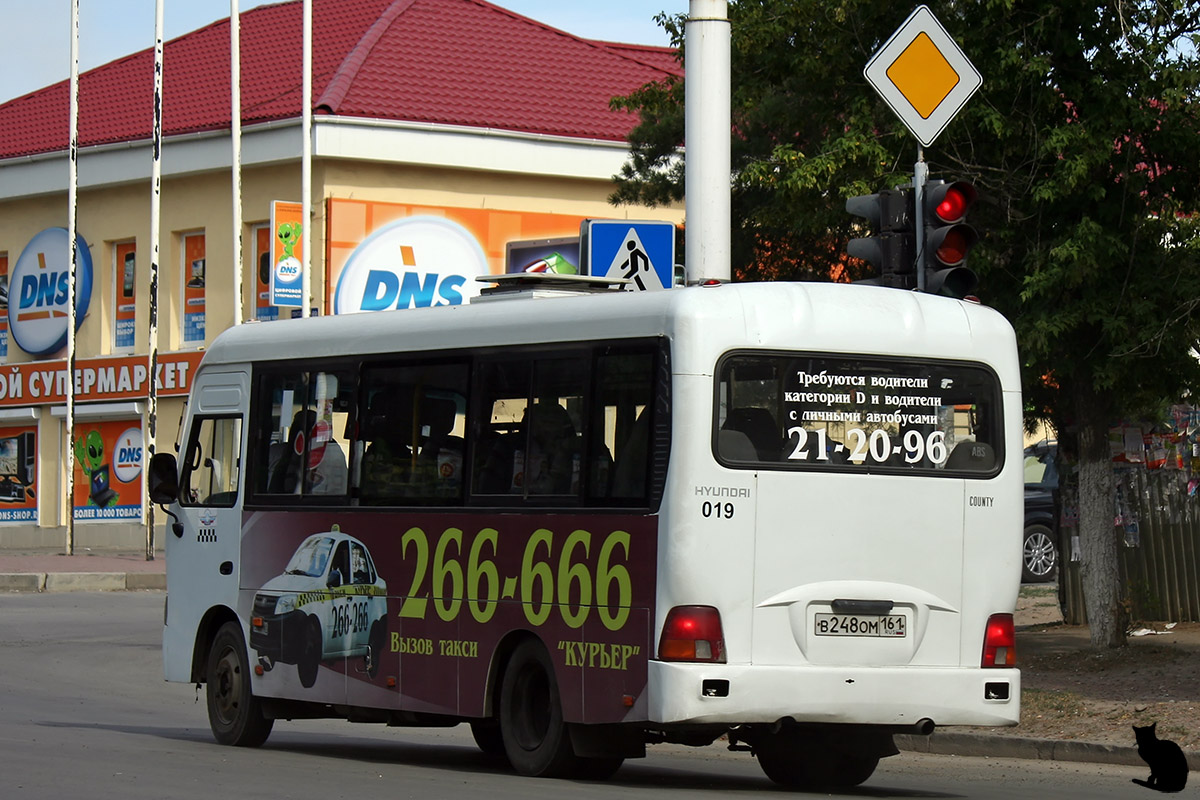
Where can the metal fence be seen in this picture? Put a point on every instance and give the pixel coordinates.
(1158, 535)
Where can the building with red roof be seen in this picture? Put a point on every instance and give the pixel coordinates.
(461, 111)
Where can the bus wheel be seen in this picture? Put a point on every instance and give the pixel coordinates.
(310, 654)
(487, 736)
(531, 725)
(800, 762)
(234, 713)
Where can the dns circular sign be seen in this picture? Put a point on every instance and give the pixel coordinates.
(415, 262)
(37, 291)
(127, 457)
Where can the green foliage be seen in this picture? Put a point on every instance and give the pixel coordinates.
(1084, 143)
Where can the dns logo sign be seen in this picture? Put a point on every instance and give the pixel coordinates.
(127, 458)
(416, 262)
(37, 295)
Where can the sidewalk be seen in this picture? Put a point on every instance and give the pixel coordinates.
(51, 571)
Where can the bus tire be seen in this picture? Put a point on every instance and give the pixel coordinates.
(234, 713)
(310, 655)
(486, 733)
(531, 723)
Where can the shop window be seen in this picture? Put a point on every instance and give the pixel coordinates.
(125, 296)
(260, 235)
(193, 280)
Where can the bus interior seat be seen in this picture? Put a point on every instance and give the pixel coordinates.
(972, 456)
(735, 446)
(759, 426)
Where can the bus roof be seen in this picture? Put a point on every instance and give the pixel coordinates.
(823, 317)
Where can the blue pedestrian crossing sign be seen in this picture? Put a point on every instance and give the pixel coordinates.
(642, 252)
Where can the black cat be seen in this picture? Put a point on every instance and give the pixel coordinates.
(1168, 765)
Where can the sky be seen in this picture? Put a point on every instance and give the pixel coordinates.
(37, 34)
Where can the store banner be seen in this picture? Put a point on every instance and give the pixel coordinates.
(263, 310)
(287, 254)
(38, 308)
(96, 379)
(392, 256)
(108, 470)
(18, 474)
(193, 288)
(125, 280)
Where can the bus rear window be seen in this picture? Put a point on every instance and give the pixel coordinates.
(852, 414)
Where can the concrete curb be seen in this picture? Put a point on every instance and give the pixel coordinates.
(996, 746)
(82, 581)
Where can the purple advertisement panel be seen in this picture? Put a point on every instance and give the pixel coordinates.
(436, 594)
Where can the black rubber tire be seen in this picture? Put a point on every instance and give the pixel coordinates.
(531, 723)
(234, 713)
(309, 660)
(1039, 558)
(486, 733)
(376, 641)
(801, 763)
(597, 769)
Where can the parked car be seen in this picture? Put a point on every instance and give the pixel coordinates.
(1040, 550)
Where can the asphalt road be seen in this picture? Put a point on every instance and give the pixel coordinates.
(84, 713)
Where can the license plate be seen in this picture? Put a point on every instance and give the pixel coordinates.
(891, 625)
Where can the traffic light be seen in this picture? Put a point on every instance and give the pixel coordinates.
(948, 238)
(892, 252)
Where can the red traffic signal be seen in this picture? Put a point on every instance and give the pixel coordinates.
(948, 239)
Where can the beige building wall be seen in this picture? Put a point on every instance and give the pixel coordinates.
(202, 202)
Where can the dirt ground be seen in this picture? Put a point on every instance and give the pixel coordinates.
(1071, 692)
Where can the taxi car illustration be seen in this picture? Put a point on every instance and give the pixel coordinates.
(328, 603)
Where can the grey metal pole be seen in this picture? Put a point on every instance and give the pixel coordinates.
(306, 163)
(72, 200)
(155, 208)
(920, 176)
(235, 64)
(707, 141)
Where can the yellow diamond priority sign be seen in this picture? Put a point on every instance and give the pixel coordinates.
(923, 75)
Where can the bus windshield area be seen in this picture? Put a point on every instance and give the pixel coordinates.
(858, 414)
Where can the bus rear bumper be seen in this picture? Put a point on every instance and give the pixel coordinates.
(902, 696)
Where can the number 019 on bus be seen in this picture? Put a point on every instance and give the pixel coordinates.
(586, 522)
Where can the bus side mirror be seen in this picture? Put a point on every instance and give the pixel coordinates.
(163, 479)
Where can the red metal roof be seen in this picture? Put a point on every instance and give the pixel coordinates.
(453, 62)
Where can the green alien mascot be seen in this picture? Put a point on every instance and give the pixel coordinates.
(90, 455)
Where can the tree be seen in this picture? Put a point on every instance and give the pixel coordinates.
(1084, 143)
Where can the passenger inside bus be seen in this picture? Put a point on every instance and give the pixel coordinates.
(438, 468)
(387, 460)
(550, 463)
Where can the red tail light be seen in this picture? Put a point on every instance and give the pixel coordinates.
(692, 633)
(1000, 642)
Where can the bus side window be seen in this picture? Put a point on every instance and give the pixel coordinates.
(621, 426)
(211, 474)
